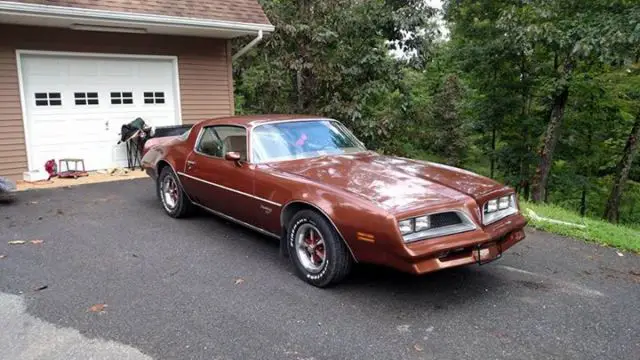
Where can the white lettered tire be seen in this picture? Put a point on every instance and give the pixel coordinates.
(317, 252)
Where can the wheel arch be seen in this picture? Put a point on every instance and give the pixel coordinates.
(294, 206)
(163, 163)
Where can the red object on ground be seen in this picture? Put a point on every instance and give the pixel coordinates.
(51, 167)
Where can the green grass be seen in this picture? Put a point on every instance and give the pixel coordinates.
(595, 230)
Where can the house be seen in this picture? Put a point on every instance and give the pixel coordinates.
(73, 71)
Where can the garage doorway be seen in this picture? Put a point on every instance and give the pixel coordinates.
(74, 104)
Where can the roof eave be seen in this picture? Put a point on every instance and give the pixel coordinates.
(156, 23)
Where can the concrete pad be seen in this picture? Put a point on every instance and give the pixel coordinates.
(93, 178)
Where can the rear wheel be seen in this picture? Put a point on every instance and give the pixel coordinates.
(173, 198)
(319, 255)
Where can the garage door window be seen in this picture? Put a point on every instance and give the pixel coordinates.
(86, 98)
(119, 98)
(156, 97)
(48, 99)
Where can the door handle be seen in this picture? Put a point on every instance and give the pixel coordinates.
(190, 164)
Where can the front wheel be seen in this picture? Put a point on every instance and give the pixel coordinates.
(173, 198)
(319, 255)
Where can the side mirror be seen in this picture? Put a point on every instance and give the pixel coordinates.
(232, 156)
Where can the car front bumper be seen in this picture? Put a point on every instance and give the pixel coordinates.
(479, 246)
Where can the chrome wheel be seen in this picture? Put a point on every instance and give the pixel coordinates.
(170, 193)
(310, 248)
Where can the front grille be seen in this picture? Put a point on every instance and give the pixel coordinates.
(444, 219)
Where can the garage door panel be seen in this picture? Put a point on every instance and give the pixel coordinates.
(73, 127)
(56, 132)
(120, 155)
(83, 68)
(47, 114)
(85, 83)
(156, 70)
(118, 68)
(50, 129)
(53, 68)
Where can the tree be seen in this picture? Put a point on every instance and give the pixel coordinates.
(571, 32)
(627, 83)
(449, 128)
(537, 94)
(332, 58)
(498, 71)
(612, 211)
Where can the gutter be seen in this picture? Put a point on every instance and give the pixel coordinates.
(248, 47)
(82, 14)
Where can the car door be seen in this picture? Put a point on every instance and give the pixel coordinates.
(221, 185)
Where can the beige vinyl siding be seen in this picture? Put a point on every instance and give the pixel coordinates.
(13, 152)
(204, 68)
(202, 95)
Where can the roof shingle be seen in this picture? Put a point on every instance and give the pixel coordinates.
(244, 11)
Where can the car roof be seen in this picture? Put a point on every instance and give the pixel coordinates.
(254, 120)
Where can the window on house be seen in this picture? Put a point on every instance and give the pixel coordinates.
(118, 98)
(86, 98)
(48, 99)
(156, 97)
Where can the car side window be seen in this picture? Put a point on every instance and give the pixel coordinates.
(218, 140)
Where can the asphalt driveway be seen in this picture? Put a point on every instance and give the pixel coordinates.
(202, 288)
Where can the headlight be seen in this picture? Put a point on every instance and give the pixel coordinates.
(422, 223)
(492, 206)
(435, 225)
(504, 202)
(406, 226)
(496, 209)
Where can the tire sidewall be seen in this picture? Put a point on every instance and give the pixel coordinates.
(168, 172)
(325, 275)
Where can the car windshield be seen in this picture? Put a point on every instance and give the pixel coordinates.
(301, 139)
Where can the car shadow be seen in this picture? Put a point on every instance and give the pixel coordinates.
(449, 284)
(8, 199)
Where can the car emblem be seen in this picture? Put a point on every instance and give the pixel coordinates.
(267, 210)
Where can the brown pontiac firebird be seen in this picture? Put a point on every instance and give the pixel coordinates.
(311, 183)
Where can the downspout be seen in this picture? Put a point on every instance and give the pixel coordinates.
(248, 47)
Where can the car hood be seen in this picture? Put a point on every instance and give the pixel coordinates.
(395, 184)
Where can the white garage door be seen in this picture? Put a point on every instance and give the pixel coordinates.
(76, 105)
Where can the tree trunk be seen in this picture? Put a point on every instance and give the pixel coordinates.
(300, 91)
(586, 170)
(541, 177)
(583, 200)
(523, 180)
(612, 211)
(493, 150)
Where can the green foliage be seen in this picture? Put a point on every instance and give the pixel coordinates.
(332, 58)
(481, 99)
(516, 57)
(448, 126)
